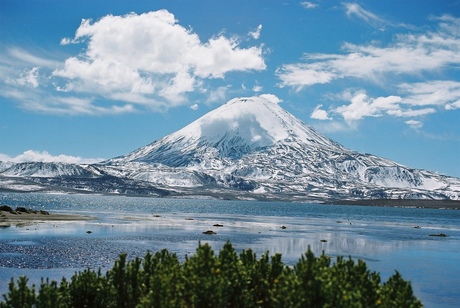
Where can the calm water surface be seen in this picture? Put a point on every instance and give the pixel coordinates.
(386, 238)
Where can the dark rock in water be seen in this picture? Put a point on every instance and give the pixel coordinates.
(217, 225)
(210, 232)
(189, 219)
(43, 212)
(21, 209)
(417, 227)
(439, 235)
(323, 241)
(89, 231)
(283, 227)
(6, 208)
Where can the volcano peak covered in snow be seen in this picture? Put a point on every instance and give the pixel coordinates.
(252, 148)
(239, 127)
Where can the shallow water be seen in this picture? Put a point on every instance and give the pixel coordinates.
(383, 237)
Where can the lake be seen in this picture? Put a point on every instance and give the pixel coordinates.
(386, 238)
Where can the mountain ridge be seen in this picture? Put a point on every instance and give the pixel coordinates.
(250, 148)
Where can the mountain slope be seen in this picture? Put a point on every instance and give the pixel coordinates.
(46, 169)
(246, 148)
(255, 145)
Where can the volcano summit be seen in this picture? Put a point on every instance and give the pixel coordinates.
(248, 148)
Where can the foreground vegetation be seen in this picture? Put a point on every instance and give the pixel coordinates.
(224, 280)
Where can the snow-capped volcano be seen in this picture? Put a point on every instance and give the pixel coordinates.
(237, 128)
(250, 148)
(253, 144)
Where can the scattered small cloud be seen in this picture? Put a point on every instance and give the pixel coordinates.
(355, 10)
(309, 5)
(446, 136)
(30, 77)
(20, 57)
(444, 93)
(415, 55)
(37, 156)
(66, 41)
(256, 33)
(194, 107)
(361, 106)
(414, 124)
(411, 54)
(302, 75)
(257, 87)
(218, 95)
(333, 126)
(271, 97)
(320, 114)
(452, 106)
(411, 112)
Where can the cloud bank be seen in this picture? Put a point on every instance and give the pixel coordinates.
(37, 156)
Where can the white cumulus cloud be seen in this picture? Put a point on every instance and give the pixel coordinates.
(151, 55)
(126, 62)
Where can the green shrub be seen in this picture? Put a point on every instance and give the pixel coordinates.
(19, 295)
(223, 280)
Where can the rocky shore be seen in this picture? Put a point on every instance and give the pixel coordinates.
(22, 216)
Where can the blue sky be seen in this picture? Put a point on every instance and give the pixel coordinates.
(82, 81)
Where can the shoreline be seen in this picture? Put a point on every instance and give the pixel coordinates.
(403, 203)
(16, 218)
